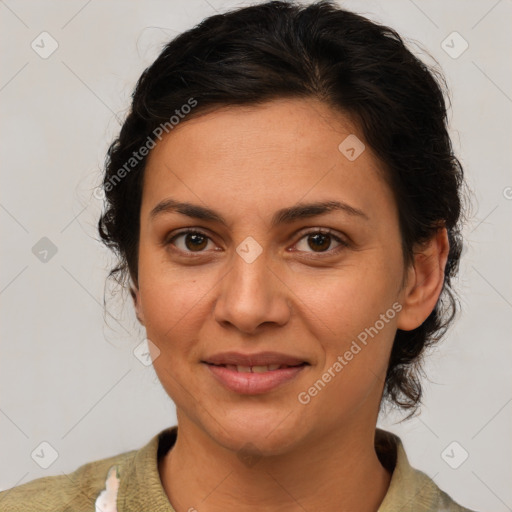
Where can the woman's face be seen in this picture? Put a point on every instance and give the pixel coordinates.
(264, 279)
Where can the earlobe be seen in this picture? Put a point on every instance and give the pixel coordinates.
(425, 281)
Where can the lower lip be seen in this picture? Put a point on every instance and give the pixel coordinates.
(253, 383)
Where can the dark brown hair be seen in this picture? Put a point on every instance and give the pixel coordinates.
(275, 50)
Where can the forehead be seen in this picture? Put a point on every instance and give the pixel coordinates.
(252, 158)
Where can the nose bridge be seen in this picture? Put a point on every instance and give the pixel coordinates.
(249, 294)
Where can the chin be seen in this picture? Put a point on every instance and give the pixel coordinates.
(264, 432)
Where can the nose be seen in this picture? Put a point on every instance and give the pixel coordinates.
(252, 294)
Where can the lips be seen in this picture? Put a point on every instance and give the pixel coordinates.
(257, 368)
(272, 360)
(254, 373)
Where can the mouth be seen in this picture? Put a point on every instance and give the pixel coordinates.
(260, 361)
(255, 379)
(256, 368)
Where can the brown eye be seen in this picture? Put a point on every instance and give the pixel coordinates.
(191, 241)
(195, 241)
(320, 242)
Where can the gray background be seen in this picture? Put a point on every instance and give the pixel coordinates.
(69, 376)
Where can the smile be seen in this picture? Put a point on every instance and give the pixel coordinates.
(254, 380)
(256, 369)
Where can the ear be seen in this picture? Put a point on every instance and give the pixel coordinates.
(425, 279)
(134, 292)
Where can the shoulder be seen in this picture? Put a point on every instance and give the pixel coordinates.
(410, 489)
(429, 497)
(72, 492)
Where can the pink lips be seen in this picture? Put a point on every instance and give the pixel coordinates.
(223, 368)
(253, 383)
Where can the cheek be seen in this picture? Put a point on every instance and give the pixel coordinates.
(345, 301)
(355, 325)
(171, 299)
(173, 309)
(167, 290)
(353, 318)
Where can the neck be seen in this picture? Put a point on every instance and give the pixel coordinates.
(339, 471)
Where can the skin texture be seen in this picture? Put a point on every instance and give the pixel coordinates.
(308, 299)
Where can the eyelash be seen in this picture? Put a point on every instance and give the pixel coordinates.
(191, 254)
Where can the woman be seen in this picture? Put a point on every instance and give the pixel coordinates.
(285, 204)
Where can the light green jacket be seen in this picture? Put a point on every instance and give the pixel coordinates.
(130, 482)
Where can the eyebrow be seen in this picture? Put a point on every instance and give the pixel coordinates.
(283, 216)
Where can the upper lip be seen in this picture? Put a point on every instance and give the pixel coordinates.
(257, 359)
